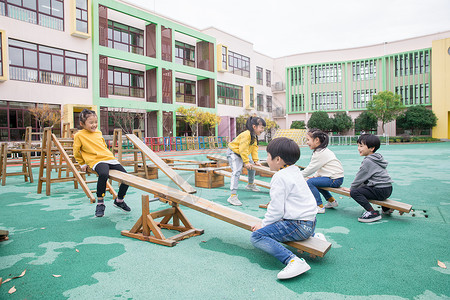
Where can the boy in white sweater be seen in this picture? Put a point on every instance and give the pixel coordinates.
(291, 214)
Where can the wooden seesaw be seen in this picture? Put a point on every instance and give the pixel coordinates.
(146, 224)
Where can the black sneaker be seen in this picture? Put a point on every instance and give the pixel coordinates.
(370, 216)
(122, 205)
(100, 210)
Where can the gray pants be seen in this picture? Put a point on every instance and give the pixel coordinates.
(236, 164)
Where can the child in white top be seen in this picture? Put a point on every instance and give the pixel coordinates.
(291, 214)
(326, 169)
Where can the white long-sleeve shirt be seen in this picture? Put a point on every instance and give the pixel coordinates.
(325, 164)
(290, 197)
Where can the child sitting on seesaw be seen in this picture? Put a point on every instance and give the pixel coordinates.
(372, 180)
(291, 214)
(89, 149)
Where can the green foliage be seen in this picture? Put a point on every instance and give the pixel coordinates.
(366, 121)
(386, 106)
(412, 139)
(195, 116)
(417, 118)
(342, 122)
(298, 125)
(320, 120)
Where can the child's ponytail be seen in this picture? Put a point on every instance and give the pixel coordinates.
(322, 136)
(249, 125)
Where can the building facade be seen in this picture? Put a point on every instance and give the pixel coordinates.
(344, 80)
(136, 68)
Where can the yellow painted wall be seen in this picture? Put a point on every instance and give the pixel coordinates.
(69, 109)
(440, 87)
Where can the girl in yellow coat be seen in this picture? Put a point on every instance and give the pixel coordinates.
(89, 149)
(238, 152)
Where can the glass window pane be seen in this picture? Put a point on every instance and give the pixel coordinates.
(81, 67)
(82, 26)
(110, 77)
(84, 15)
(50, 50)
(78, 14)
(45, 61)
(31, 4)
(44, 6)
(125, 79)
(16, 56)
(117, 35)
(82, 4)
(57, 63)
(57, 9)
(117, 78)
(30, 58)
(70, 66)
(124, 37)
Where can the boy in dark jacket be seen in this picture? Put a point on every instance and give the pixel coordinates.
(372, 180)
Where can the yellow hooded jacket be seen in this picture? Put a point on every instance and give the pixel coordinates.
(241, 145)
(90, 148)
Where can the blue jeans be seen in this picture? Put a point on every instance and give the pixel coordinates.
(316, 182)
(269, 237)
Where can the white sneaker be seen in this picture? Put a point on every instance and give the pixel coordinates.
(331, 204)
(294, 268)
(233, 200)
(252, 187)
(320, 236)
(320, 210)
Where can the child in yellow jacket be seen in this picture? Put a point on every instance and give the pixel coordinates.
(89, 149)
(238, 153)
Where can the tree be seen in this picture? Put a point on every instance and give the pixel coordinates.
(386, 106)
(127, 120)
(195, 116)
(366, 121)
(298, 125)
(320, 120)
(270, 125)
(45, 115)
(417, 118)
(342, 122)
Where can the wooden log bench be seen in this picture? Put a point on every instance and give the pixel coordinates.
(314, 246)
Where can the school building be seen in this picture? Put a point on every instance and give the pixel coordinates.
(136, 68)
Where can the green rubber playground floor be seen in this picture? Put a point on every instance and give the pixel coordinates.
(395, 258)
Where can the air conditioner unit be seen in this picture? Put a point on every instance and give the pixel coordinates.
(278, 87)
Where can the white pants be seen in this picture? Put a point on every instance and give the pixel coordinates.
(236, 163)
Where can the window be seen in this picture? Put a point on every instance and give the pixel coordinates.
(56, 66)
(326, 101)
(364, 70)
(125, 38)
(259, 75)
(239, 64)
(125, 82)
(269, 103)
(224, 58)
(185, 91)
(412, 63)
(296, 76)
(47, 13)
(259, 102)
(418, 94)
(229, 94)
(15, 117)
(268, 78)
(184, 54)
(252, 95)
(297, 103)
(361, 97)
(81, 16)
(329, 73)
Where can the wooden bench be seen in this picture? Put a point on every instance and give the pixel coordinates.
(400, 206)
(314, 246)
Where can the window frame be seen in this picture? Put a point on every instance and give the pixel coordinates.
(129, 31)
(181, 97)
(132, 89)
(233, 94)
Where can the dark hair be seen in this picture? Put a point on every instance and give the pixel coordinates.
(322, 136)
(85, 114)
(285, 148)
(370, 140)
(249, 125)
